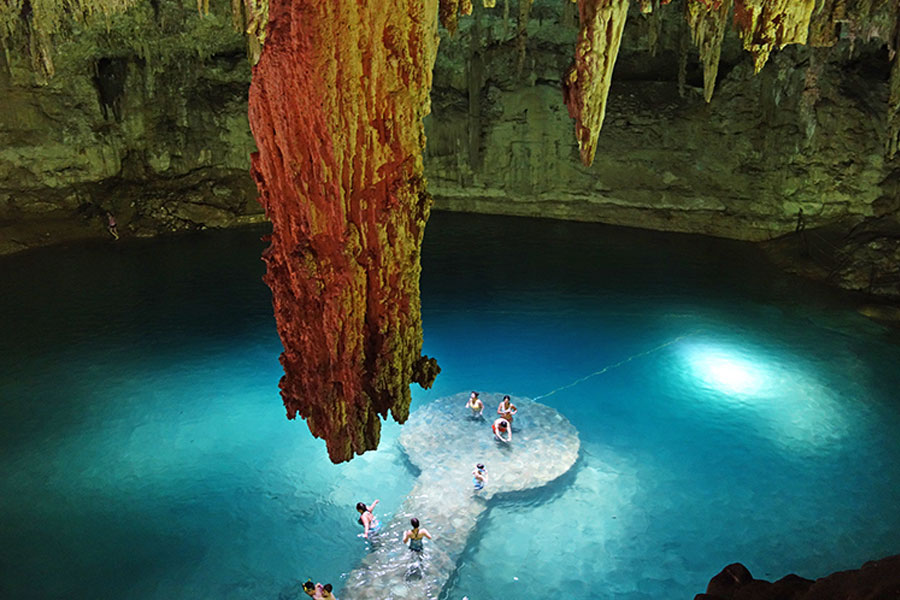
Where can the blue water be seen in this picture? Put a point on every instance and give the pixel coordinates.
(727, 413)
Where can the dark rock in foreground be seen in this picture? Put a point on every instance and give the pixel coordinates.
(875, 580)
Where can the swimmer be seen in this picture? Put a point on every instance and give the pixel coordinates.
(479, 476)
(313, 590)
(326, 592)
(415, 536)
(475, 404)
(507, 409)
(500, 427)
(367, 518)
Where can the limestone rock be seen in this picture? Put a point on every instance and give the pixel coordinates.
(586, 84)
(708, 22)
(339, 172)
(875, 580)
(766, 25)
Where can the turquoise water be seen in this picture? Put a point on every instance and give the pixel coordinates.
(727, 413)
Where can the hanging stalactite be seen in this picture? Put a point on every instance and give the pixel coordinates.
(38, 21)
(893, 117)
(586, 84)
(766, 25)
(339, 171)
(448, 13)
(708, 20)
(522, 33)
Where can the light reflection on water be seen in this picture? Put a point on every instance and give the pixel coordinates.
(727, 413)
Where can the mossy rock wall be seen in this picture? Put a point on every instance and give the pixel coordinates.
(807, 132)
(146, 118)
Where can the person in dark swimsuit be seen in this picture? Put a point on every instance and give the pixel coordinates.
(415, 536)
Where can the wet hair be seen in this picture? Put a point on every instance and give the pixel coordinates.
(474, 393)
(506, 397)
(414, 522)
(479, 466)
(309, 585)
(327, 587)
(361, 507)
(503, 424)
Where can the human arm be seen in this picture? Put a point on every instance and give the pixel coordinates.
(372, 506)
(406, 535)
(425, 533)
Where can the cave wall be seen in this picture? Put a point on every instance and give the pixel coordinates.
(146, 118)
(170, 150)
(807, 132)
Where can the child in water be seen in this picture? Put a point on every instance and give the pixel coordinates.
(318, 591)
(313, 590)
(479, 477)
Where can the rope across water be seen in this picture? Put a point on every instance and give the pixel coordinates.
(617, 365)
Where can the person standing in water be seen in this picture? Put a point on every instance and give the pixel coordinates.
(367, 518)
(415, 536)
(507, 409)
(476, 405)
(479, 477)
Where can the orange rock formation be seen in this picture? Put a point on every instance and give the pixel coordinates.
(336, 107)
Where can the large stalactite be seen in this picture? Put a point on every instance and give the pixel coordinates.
(586, 85)
(336, 107)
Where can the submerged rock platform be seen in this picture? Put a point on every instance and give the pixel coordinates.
(445, 442)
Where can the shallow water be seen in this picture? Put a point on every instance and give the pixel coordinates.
(727, 413)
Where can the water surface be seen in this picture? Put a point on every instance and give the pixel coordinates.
(727, 412)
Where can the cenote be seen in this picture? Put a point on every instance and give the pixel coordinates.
(727, 412)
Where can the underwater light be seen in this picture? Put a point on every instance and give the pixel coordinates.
(730, 375)
(727, 372)
(781, 394)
